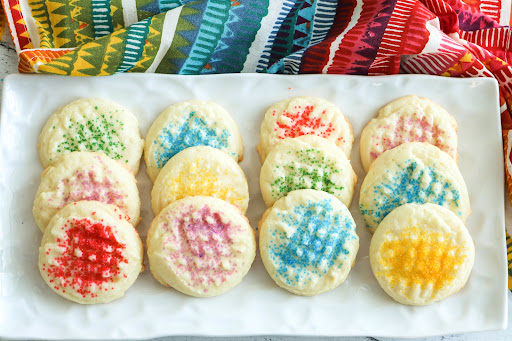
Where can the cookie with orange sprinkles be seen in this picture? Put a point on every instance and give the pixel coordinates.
(200, 171)
(421, 254)
(300, 116)
(90, 253)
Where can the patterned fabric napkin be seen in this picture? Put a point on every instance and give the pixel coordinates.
(364, 37)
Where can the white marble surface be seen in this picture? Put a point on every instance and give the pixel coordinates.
(8, 64)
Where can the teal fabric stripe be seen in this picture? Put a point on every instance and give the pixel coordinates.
(212, 25)
(135, 40)
(101, 19)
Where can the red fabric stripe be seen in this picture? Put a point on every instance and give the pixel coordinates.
(20, 28)
(408, 23)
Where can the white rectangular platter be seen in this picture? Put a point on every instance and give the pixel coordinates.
(29, 309)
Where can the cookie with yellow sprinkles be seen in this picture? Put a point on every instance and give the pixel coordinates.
(200, 171)
(421, 254)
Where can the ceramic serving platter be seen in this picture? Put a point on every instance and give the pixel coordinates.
(29, 309)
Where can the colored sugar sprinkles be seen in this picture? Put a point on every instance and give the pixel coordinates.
(300, 116)
(190, 124)
(90, 253)
(307, 162)
(413, 172)
(308, 242)
(201, 246)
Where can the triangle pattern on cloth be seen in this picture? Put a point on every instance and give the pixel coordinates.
(302, 33)
(152, 7)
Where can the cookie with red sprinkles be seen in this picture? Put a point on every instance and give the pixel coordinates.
(90, 253)
(300, 116)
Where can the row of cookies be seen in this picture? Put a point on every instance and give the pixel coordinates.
(88, 203)
(200, 242)
(415, 201)
(308, 240)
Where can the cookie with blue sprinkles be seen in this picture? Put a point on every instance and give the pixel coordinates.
(414, 172)
(308, 242)
(189, 124)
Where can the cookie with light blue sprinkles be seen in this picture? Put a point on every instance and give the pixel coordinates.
(190, 124)
(308, 242)
(413, 172)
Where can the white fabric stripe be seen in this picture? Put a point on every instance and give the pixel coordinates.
(261, 39)
(505, 12)
(10, 22)
(336, 43)
(129, 12)
(30, 22)
(169, 27)
(436, 62)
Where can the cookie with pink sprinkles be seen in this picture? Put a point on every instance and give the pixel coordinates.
(200, 246)
(408, 119)
(86, 176)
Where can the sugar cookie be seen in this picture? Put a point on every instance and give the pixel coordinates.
(90, 253)
(413, 172)
(200, 171)
(299, 116)
(306, 162)
(421, 254)
(201, 246)
(308, 242)
(94, 125)
(188, 124)
(86, 176)
(408, 119)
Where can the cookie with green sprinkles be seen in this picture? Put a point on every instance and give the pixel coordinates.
(307, 162)
(92, 125)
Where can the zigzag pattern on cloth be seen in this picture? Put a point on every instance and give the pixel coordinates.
(239, 32)
(320, 23)
(184, 36)
(264, 60)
